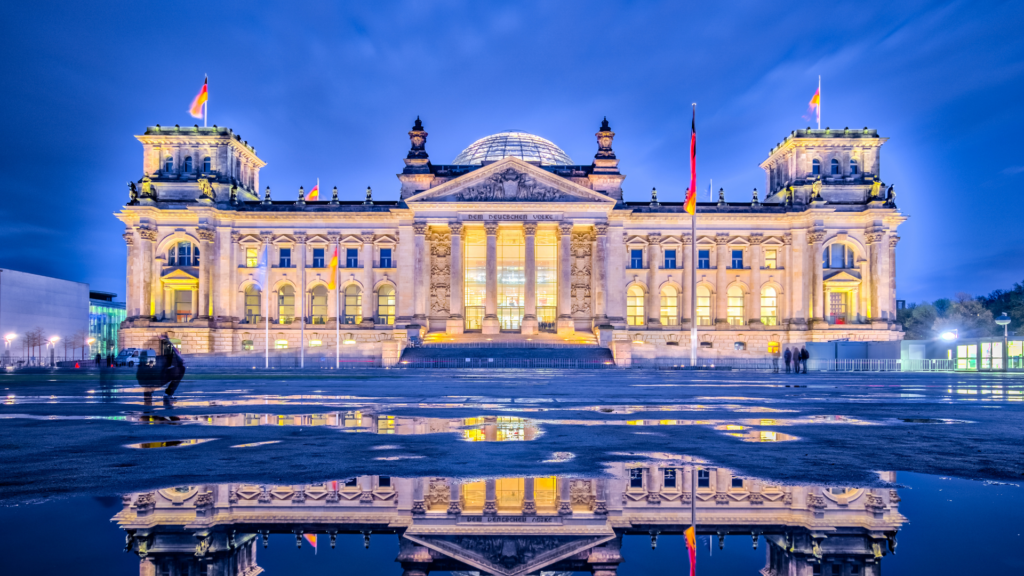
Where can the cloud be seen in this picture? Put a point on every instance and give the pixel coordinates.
(1013, 170)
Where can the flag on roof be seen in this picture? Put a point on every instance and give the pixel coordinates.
(691, 193)
(197, 105)
(314, 194)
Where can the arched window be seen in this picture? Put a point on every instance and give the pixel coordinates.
(183, 254)
(285, 305)
(853, 167)
(838, 256)
(703, 306)
(835, 167)
(635, 306)
(318, 305)
(769, 307)
(188, 164)
(253, 300)
(816, 167)
(206, 164)
(386, 304)
(353, 313)
(168, 164)
(669, 306)
(734, 309)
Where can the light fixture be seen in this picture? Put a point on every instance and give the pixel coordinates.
(90, 341)
(1003, 320)
(10, 337)
(949, 335)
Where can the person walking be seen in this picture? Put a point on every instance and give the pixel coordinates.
(775, 361)
(804, 357)
(99, 359)
(787, 357)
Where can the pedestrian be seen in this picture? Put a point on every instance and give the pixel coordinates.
(804, 356)
(775, 361)
(787, 356)
(110, 359)
(99, 359)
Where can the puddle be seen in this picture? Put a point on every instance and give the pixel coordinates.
(169, 443)
(254, 444)
(934, 421)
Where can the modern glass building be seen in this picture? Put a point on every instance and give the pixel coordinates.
(105, 317)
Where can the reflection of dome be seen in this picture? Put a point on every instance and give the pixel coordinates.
(519, 144)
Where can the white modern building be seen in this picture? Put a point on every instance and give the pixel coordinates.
(36, 310)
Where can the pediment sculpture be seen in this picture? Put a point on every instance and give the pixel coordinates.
(510, 185)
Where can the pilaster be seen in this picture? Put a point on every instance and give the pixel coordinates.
(653, 293)
(145, 264)
(421, 266)
(456, 322)
(815, 239)
(685, 280)
(600, 274)
(206, 238)
(491, 325)
(754, 320)
(565, 324)
(530, 324)
(368, 278)
(721, 281)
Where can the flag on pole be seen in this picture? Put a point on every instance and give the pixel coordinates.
(332, 270)
(197, 105)
(691, 193)
(691, 547)
(814, 108)
(311, 538)
(314, 194)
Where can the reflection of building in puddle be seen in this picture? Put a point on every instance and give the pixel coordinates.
(516, 526)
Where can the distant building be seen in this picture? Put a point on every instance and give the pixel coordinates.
(105, 317)
(34, 309)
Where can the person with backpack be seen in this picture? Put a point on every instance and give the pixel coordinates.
(804, 357)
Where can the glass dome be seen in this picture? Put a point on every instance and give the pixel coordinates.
(519, 144)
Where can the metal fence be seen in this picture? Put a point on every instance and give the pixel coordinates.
(279, 361)
(770, 365)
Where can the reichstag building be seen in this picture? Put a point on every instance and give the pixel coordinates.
(513, 239)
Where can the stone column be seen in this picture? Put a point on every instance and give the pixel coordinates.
(685, 280)
(815, 240)
(158, 289)
(301, 294)
(130, 296)
(721, 281)
(194, 312)
(421, 268)
(616, 277)
(875, 241)
(789, 288)
(368, 279)
(406, 275)
(491, 325)
(455, 497)
(653, 485)
(893, 241)
(565, 324)
(755, 280)
(530, 325)
(601, 497)
(600, 274)
(267, 300)
(490, 497)
(228, 277)
(145, 264)
(564, 496)
(529, 504)
(456, 322)
(205, 254)
(653, 292)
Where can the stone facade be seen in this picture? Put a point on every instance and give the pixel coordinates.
(475, 247)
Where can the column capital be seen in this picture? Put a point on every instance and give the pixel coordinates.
(455, 227)
(565, 228)
(893, 241)
(206, 234)
(686, 239)
(815, 236)
(654, 238)
(267, 236)
(301, 237)
(601, 228)
(491, 228)
(129, 237)
(236, 237)
(147, 234)
(787, 238)
(333, 236)
(721, 238)
(420, 228)
(530, 228)
(756, 238)
(367, 237)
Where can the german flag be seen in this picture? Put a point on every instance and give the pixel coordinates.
(197, 105)
(314, 194)
(333, 270)
(691, 195)
(691, 547)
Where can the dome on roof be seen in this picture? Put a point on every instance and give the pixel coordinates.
(519, 144)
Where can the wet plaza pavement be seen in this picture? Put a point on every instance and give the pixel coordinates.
(513, 472)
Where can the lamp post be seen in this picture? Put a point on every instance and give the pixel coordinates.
(53, 347)
(7, 347)
(1004, 321)
(88, 342)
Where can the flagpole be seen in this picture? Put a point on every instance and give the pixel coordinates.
(206, 105)
(693, 505)
(266, 310)
(337, 316)
(693, 274)
(819, 101)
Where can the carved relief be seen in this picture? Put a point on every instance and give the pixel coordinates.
(440, 271)
(581, 257)
(512, 185)
(580, 494)
(439, 494)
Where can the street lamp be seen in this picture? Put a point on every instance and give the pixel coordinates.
(1004, 321)
(7, 347)
(53, 346)
(949, 335)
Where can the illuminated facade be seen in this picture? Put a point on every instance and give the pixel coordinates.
(512, 237)
(517, 526)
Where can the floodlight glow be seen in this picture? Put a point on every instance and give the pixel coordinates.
(53, 339)
(951, 335)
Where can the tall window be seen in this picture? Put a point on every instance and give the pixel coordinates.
(734, 310)
(703, 259)
(352, 258)
(737, 259)
(670, 478)
(252, 257)
(385, 258)
(835, 167)
(635, 306)
(253, 301)
(168, 164)
(353, 313)
(853, 167)
(183, 254)
(188, 164)
(703, 306)
(318, 257)
(670, 259)
(636, 259)
(182, 305)
(206, 164)
(636, 477)
(669, 306)
(285, 259)
(769, 307)
(771, 259)
(547, 277)
(837, 256)
(386, 304)
(511, 250)
(816, 167)
(318, 305)
(285, 305)
(703, 478)
(475, 260)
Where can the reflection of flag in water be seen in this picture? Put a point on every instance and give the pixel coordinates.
(691, 547)
(311, 538)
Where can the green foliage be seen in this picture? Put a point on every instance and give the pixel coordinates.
(971, 317)
(1009, 301)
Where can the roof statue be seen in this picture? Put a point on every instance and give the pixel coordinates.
(133, 194)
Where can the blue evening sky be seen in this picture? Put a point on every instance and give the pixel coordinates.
(330, 89)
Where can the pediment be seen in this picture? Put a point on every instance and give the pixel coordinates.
(182, 273)
(841, 276)
(508, 555)
(510, 180)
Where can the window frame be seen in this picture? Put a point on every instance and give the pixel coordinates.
(816, 167)
(385, 261)
(284, 257)
(733, 260)
(636, 258)
(188, 164)
(351, 258)
(386, 304)
(703, 259)
(735, 313)
(636, 314)
(670, 261)
(207, 164)
(319, 261)
(834, 168)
